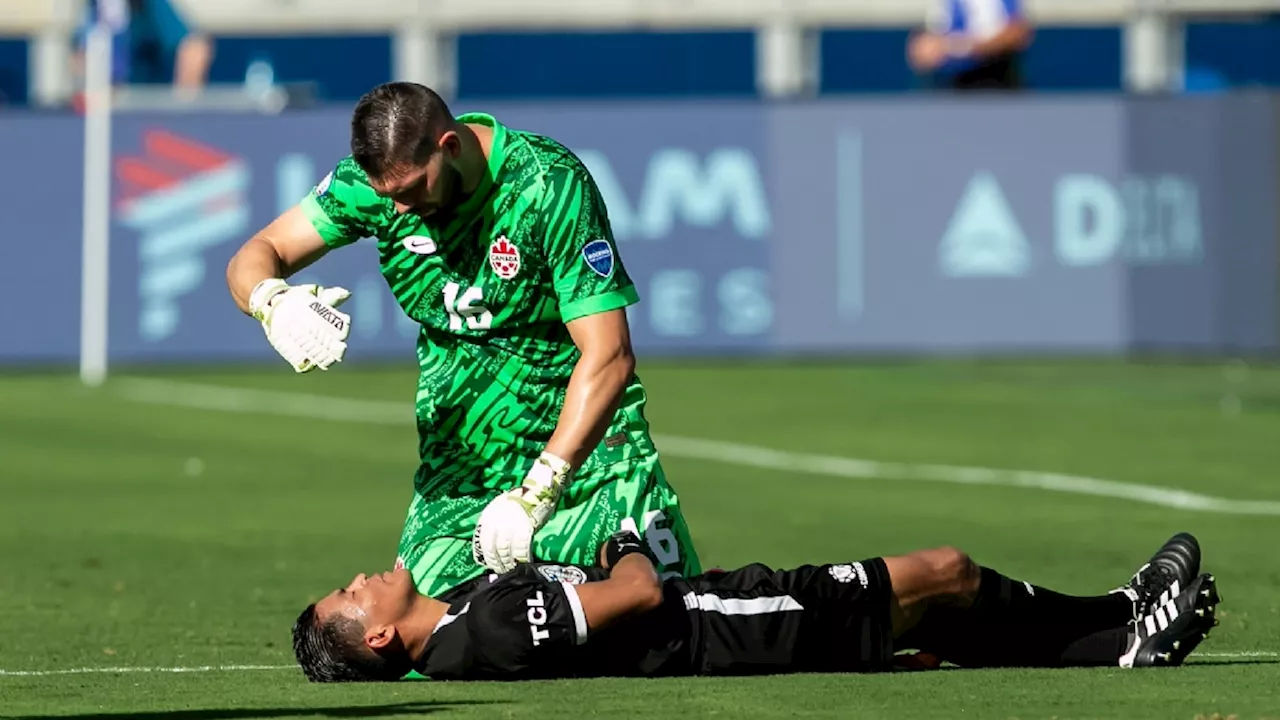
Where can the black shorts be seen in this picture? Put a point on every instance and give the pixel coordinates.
(1000, 73)
(814, 618)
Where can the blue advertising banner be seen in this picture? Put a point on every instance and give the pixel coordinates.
(690, 209)
(947, 228)
(41, 197)
(937, 226)
(1204, 191)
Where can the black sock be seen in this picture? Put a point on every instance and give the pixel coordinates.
(1013, 602)
(1101, 648)
(1014, 624)
(956, 636)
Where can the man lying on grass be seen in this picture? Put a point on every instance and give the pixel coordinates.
(620, 619)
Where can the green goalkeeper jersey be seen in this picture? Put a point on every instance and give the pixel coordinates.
(493, 284)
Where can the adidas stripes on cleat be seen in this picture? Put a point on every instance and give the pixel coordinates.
(1169, 631)
(1165, 576)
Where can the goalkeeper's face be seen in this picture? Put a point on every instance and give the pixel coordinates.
(375, 601)
(428, 188)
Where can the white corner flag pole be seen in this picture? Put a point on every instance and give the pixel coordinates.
(95, 259)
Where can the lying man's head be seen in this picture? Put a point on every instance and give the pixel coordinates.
(358, 633)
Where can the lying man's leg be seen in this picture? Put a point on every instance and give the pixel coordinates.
(948, 606)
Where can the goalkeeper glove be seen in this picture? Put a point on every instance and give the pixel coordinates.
(302, 322)
(504, 532)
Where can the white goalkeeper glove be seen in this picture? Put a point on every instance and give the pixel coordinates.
(302, 322)
(504, 532)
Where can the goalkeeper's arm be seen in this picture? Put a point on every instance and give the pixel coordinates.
(289, 244)
(301, 322)
(505, 529)
(596, 385)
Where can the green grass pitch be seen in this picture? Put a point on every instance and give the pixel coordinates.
(144, 535)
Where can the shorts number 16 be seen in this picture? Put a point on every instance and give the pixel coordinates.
(662, 542)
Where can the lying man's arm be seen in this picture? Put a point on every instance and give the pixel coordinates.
(633, 587)
(528, 626)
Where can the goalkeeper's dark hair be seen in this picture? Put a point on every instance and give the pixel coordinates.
(397, 126)
(333, 650)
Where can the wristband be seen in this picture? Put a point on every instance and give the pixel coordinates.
(548, 472)
(622, 544)
(262, 294)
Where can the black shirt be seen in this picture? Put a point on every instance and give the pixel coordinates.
(529, 624)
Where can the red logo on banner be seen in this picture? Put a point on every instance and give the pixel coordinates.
(169, 161)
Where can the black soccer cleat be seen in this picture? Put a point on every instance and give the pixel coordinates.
(1167, 634)
(1165, 575)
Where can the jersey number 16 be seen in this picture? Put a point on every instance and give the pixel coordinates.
(468, 305)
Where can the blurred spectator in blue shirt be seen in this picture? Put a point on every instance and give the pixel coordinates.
(973, 44)
(150, 43)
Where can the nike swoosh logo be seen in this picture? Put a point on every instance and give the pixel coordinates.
(420, 244)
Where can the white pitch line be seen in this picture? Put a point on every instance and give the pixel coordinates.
(269, 402)
(114, 670)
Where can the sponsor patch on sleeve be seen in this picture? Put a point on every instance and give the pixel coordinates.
(323, 187)
(563, 573)
(598, 255)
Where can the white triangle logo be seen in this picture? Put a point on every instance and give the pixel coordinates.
(983, 238)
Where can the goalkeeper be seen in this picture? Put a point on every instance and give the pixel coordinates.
(532, 438)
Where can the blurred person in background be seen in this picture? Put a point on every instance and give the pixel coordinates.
(973, 44)
(151, 44)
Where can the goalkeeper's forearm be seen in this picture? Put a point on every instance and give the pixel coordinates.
(279, 250)
(595, 389)
(256, 261)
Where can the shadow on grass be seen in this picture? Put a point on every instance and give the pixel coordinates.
(366, 711)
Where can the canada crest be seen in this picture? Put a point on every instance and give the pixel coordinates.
(504, 258)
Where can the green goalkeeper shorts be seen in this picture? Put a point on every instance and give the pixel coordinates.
(436, 543)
